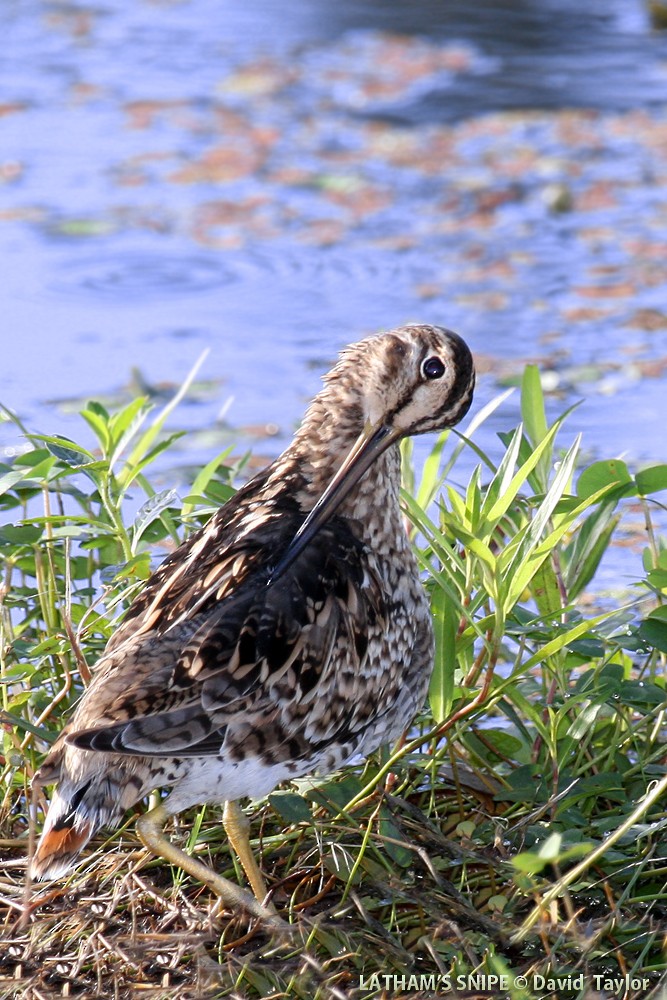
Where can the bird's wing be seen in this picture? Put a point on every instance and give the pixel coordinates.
(246, 650)
(209, 565)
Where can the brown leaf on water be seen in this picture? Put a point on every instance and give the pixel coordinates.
(231, 213)
(586, 314)
(73, 21)
(602, 194)
(604, 269)
(648, 319)
(597, 235)
(323, 232)
(645, 249)
(577, 128)
(650, 273)
(24, 213)
(488, 301)
(293, 176)
(428, 290)
(484, 271)
(10, 170)
(261, 78)
(12, 108)
(143, 114)
(653, 368)
(220, 164)
(358, 197)
(620, 291)
(401, 241)
(430, 151)
(397, 63)
(226, 223)
(490, 200)
(84, 93)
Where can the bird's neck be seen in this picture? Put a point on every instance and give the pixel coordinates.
(319, 448)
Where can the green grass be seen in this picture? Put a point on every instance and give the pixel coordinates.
(517, 831)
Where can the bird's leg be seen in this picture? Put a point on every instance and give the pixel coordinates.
(150, 830)
(237, 827)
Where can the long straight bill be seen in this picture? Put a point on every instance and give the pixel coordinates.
(369, 445)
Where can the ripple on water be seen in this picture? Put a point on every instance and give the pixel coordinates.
(144, 276)
(149, 275)
(305, 265)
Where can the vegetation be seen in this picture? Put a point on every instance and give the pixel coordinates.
(517, 831)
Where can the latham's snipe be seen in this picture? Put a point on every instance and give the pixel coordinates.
(288, 635)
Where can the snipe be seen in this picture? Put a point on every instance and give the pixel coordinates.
(288, 635)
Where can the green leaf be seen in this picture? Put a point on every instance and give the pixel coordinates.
(642, 695)
(652, 480)
(607, 785)
(445, 626)
(132, 470)
(335, 794)
(20, 534)
(659, 614)
(546, 591)
(585, 720)
(8, 719)
(339, 862)
(653, 630)
(505, 485)
(150, 510)
(138, 568)
(492, 745)
(564, 639)
(75, 457)
(10, 479)
(611, 472)
(403, 856)
(551, 847)
(432, 479)
(203, 479)
(535, 422)
(219, 493)
(589, 544)
(292, 808)
(97, 419)
(550, 851)
(532, 549)
(124, 426)
(500, 484)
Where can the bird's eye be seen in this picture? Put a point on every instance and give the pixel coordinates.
(433, 368)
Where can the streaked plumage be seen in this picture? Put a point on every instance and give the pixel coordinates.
(289, 634)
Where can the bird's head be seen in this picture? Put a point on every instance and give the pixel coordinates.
(409, 381)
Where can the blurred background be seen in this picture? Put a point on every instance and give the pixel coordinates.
(272, 181)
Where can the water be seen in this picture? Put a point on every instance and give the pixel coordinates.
(273, 181)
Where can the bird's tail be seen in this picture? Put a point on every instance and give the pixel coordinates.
(79, 807)
(67, 830)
